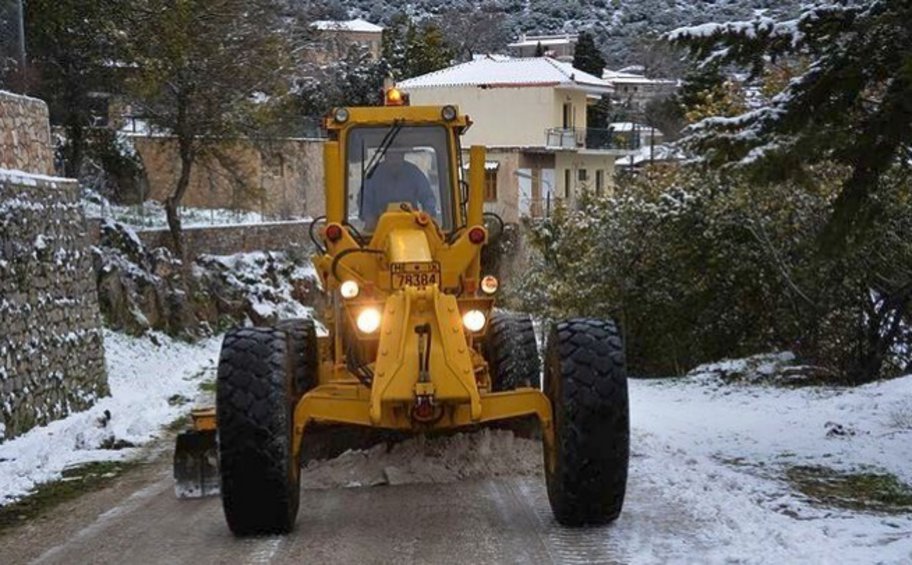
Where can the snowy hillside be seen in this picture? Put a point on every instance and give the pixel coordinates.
(618, 26)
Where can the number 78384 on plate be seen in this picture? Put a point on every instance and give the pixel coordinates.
(415, 274)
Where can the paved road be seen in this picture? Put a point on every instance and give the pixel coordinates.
(482, 520)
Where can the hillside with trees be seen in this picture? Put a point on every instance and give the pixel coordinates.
(625, 31)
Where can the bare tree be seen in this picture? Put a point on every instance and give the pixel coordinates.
(467, 32)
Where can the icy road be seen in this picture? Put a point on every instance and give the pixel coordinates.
(708, 484)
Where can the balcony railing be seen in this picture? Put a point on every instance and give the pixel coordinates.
(594, 138)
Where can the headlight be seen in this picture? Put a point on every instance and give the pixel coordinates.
(349, 289)
(489, 284)
(341, 115)
(368, 320)
(474, 320)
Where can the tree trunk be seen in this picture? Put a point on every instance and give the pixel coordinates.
(172, 203)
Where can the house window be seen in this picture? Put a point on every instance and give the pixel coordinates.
(583, 175)
(567, 183)
(490, 185)
(600, 182)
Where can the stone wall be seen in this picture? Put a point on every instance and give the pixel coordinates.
(51, 344)
(225, 240)
(281, 179)
(228, 240)
(25, 136)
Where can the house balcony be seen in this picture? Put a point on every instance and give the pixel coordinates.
(593, 138)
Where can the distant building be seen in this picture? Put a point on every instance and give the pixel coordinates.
(560, 47)
(635, 90)
(531, 115)
(336, 37)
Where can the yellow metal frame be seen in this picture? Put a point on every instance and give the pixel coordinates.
(447, 372)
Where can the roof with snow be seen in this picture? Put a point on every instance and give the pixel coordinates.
(544, 40)
(647, 154)
(620, 77)
(356, 25)
(504, 72)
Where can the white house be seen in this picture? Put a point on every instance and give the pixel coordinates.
(531, 115)
(560, 47)
(635, 90)
(334, 37)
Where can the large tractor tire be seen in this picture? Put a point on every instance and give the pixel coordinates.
(255, 396)
(512, 352)
(586, 381)
(302, 346)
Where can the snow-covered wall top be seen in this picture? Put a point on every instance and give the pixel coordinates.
(25, 136)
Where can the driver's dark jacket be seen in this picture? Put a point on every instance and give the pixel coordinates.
(389, 184)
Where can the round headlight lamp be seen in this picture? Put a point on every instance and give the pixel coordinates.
(341, 115)
(349, 289)
(368, 320)
(474, 320)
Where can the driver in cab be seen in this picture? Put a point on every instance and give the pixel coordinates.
(396, 180)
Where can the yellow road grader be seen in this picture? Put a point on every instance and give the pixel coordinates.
(413, 342)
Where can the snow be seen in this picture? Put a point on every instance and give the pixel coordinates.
(721, 452)
(23, 178)
(151, 214)
(707, 473)
(509, 72)
(142, 377)
(708, 464)
(661, 152)
(622, 77)
(356, 25)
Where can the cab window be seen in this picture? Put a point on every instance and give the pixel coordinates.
(396, 164)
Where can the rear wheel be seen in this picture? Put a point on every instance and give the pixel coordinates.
(586, 381)
(255, 397)
(512, 352)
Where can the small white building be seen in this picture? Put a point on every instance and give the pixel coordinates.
(531, 115)
(635, 90)
(335, 37)
(560, 47)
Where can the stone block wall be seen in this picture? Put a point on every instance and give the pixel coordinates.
(51, 342)
(226, 240)
(25, 136)
(282, 179)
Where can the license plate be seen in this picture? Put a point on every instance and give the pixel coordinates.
(415, 274)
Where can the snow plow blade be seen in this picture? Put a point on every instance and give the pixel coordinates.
(196, 464)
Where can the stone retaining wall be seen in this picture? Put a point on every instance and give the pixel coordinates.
(51, 343)
(226, 240)
(25, 136)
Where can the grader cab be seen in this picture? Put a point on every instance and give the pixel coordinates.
(413, 342)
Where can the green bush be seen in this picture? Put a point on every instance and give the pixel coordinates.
(697, 266)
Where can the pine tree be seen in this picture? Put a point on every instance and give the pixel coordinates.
(539, 49)
(587, 57)
(852, 106)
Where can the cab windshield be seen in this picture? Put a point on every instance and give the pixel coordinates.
(396, 164)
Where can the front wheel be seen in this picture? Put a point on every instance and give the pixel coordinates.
(255, 395)
(586, 382)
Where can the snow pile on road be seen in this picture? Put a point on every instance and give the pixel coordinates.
(150, 378)
(486, 453)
